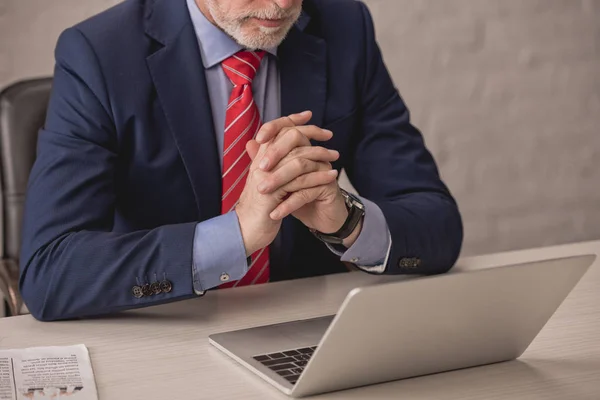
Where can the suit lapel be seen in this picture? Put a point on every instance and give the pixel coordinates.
(178, 75)
(303, 76)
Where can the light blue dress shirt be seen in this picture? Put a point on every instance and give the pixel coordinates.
(218, 245)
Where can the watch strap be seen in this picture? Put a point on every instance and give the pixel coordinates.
(355, 213)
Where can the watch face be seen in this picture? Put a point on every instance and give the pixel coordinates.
(348, 200)
(352, 201)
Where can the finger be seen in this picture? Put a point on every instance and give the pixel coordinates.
(271, 129)
(278, 149)
(296, 201)
(287, 141)
(262, 149)
(316, 153)
(311, 132)
(310, 180)
(289, 172)
(252, 147)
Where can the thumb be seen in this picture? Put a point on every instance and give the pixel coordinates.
(252, 148)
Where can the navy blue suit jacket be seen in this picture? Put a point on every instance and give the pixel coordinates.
(127, 160)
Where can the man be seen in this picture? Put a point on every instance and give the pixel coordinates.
(180, 155)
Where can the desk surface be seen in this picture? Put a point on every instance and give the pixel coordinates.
(163, 352)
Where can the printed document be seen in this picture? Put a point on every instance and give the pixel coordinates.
(52, 373)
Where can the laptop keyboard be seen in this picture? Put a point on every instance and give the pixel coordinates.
(289, 364)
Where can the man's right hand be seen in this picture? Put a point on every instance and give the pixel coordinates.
(254, 208)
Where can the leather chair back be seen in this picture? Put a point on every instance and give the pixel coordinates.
(22, 114)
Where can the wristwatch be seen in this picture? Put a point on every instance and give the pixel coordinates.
(356, 210)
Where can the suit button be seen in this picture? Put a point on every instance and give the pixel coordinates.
(146, 290)
(410, 263)
(155, 288)
(166, 286)
(137, 292)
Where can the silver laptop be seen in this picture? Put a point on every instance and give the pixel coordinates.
(410, 328)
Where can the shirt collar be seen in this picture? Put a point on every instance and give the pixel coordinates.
(215, 45)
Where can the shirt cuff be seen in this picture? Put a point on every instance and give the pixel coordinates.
(218, 253)
(371, 250)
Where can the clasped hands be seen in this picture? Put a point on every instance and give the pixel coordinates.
(289, 176)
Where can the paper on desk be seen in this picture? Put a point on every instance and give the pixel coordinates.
(51, 373)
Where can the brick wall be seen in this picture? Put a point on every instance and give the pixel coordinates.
(506, 92)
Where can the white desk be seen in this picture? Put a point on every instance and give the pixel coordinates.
(163, 352)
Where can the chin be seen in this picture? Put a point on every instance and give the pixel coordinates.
(261, 37)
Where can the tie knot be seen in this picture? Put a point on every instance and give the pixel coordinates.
(241, 67)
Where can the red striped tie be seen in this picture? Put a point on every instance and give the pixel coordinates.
(242, 122)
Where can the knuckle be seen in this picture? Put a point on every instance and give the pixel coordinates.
(297, 151)
(307, 165)
(284, 130)
(296, 134)
(300, 163)
(257, 174)
(304, 194)
(287, 159)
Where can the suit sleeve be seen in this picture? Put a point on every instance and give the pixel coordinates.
(72, 265)
(392, 168)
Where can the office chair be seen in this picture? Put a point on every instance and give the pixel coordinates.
(22, 114)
